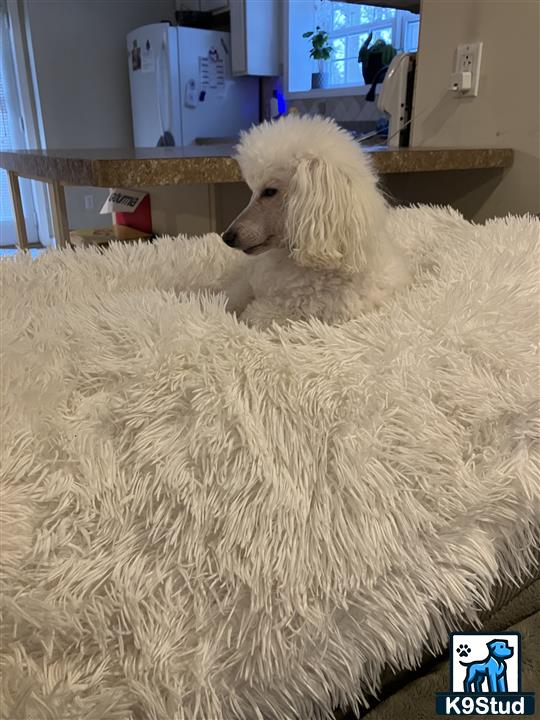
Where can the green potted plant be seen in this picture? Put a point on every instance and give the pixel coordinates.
(320, 51)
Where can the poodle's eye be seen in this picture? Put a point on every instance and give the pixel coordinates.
(268, 192)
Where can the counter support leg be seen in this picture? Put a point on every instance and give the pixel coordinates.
(59, 214)
(212, 207)
(22, 238)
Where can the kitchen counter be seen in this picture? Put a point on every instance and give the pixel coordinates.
(198, 164)
(148, 167)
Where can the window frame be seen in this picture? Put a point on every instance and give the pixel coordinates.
(399, 28)
(394, 24)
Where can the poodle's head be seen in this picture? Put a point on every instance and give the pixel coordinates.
(314, 193)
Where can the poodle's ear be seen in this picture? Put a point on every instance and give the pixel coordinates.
(332, 218)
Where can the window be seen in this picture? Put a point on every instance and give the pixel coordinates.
(348, 26)
(7, 229)
(14, 134)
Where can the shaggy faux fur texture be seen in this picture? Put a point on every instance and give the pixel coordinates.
(204, 520)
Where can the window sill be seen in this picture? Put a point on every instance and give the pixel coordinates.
(346, 90)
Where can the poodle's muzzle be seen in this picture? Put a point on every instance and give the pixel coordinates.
(250, 238)
(261, 225)
(229, 237)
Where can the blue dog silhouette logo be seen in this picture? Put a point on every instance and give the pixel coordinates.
(485, 676)
(492, 668)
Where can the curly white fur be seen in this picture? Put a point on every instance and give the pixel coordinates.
(329, 253)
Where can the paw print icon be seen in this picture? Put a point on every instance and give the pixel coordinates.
(463, 650)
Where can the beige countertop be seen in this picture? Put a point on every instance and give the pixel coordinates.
(213, 164)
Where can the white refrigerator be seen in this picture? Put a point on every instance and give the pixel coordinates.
(182, 88)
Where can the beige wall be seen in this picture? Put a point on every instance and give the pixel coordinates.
(79, 57)
(506, 112)
(187, 210)
(81, 68)
(82, 82)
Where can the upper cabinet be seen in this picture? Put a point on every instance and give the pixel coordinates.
(214, 5)
(255, 36)
(256, 30)
(411, 5)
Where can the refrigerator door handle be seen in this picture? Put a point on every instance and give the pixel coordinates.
(163, 88)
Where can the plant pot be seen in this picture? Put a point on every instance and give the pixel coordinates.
(319, 80)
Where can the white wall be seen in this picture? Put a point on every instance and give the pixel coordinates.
(79, 56)
(506, 112)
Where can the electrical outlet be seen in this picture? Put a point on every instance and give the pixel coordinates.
(468, 58)
(88, 202)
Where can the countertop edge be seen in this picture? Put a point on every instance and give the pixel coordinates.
(162, 171)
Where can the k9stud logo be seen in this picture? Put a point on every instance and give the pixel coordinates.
(485, 676)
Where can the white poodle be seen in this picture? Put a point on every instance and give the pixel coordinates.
(316, 223)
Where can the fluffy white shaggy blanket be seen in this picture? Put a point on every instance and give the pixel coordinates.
(202, 520)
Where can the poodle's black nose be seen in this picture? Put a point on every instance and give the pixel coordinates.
(229, 238)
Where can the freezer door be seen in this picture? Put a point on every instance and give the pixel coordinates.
(152, 54)
(213, 103)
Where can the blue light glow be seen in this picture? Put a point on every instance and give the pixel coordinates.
(281, 103)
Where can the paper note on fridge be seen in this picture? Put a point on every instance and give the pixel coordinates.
(126, 201)
(211, 72)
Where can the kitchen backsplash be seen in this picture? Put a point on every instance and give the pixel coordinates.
(351, 108)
